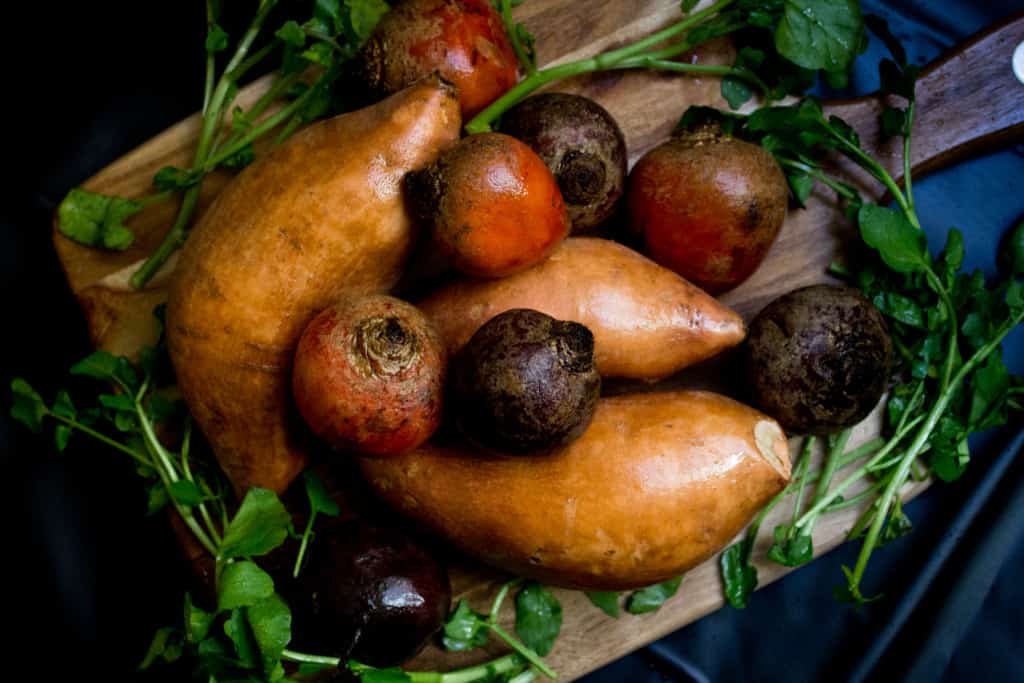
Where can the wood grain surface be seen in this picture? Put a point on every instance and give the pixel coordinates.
(969, 100)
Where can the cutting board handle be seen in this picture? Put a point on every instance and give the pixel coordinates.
(968, 101)
(971, 98)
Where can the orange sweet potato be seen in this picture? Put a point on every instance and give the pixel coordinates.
(320, 216)
(647, 321)
(657, 484)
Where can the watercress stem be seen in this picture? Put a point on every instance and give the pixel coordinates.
(859, 473)
(916, 446)
(482, 122)
(172, 240)
(907, 180)
(500, 598)
(307, 532)
(99, 436)
(528, 654)
(821, 494)
(510, 27)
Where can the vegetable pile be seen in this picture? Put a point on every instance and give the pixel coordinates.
(477, 413)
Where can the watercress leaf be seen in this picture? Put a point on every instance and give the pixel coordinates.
(186, 493)
(160, 408)
(363, 16)
(117, 402)
(820, 34)
(156, 497)
(880, 27)
(791, 550)
(989, 385)
(28, 407)
(738, 575)
(528, 42)
(976, 329)
(801, 184)
(696, 116)
(1014, 297)
(216, 39)
(260, 525)
(464, 629)
(735, 91)
(902, 246)
(844, 130)
(894, 122)
(949, 453)
(242, 584)
(271, 623)
(538, 617)
(896, 80)
(96, 220)
(161, 641)
(319, 53)
(197, 621)
(240, 159)
(291, 33)
(897, 526)
(901, 308)
(606, 601)
(237, 629)
(171, 178)
(951, 258)
(650, 599)
(1011, 251)
(216, 660)
(105, 366)
(319, 499)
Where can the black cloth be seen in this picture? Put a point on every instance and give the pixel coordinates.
(92, 577)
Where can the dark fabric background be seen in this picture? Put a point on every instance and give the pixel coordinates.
(92, 577)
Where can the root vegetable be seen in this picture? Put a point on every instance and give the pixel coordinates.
(463, 40)
(320, 216)
(818, 358)
(647, 321)
(369, 376)
(582, 145)
(708, 206)
(370, 592)
(526, 382)
(656, 485)
(494, 206)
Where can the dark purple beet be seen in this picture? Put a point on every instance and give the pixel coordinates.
(368, 592)
(525, 382)
(582, 145)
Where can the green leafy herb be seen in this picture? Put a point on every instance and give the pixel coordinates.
(606, 601)
(651, 599)
(243, 584)
(320, 502)
(260, 525)
(465, 629)
(237, 629)
(271, 623)
(97, 220)
(821, 34)
(738, 575)
(900, 244)
(538, 618)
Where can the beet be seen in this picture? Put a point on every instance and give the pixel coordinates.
(818, 358)
(525, 382)
(369, 591)
(368, 376)
(582, 145)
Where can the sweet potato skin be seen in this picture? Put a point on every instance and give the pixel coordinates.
(659, 483)
(319, 216)
(648, 322)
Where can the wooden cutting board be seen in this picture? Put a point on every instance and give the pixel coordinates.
(967, 101)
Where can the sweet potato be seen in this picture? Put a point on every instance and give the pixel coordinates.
(656, 485)
(319, 216)
(647, 321)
